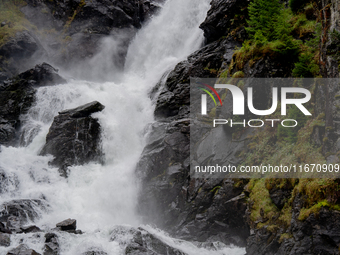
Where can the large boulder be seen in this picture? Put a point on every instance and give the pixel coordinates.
(69, 224)
(17, 96)
(51, 244)
(74, 137)
(22, 249)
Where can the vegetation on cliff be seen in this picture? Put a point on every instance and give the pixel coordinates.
(289, 36)
(12, 19)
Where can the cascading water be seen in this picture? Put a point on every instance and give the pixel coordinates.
(102, 196)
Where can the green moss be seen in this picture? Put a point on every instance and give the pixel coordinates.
(82, 3)
(15, 20)
(67, 39)
(215, 190)
(273, 228)
(224, 74)
(285, 217)
(75, 12)
(44, 11)
(211, 70)
(212, 113)
(238, 74)
(285, 236)
(273, 183)
(239, 183)
(304, 213)
(260, 198)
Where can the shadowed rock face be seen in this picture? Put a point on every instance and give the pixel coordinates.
(17, 96)
(43, 75)
(220, 18)
(19, 51)
(74, 137)
(22, 249)
(79, 26)
(195, 209)
(15, 214)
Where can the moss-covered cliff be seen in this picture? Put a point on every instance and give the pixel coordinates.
(262, 39)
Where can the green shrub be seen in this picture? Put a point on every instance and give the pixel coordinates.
(297, 5)
(306, 67)
(263, 15)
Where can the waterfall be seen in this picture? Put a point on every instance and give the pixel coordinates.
(102, 196)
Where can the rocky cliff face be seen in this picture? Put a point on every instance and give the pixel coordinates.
(190, 208)
(267, 216)
(230, 210)
(66, 33)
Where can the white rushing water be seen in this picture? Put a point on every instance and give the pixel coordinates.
(103, 196)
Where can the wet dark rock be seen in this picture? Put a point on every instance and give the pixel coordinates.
(30, 229)
(84, 110)
(15, 99)
(76, 28)
(95, 252)
(18, 212)
(203, 63)
(4, 229)
(7, 132)
(318, 234)
(99, 16)
(142, 242)
(220, 20)
(20, 51)
(74, 137)
(23, 45)
(22, 249)
(280, 196)
(193, 209)
(69, 224)
(14, 224)
(3, 24)
(18, 94)
(269, 68)
(5, 240)
(147, 8)
(4, 76)
(43, 75)
(51, 244)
